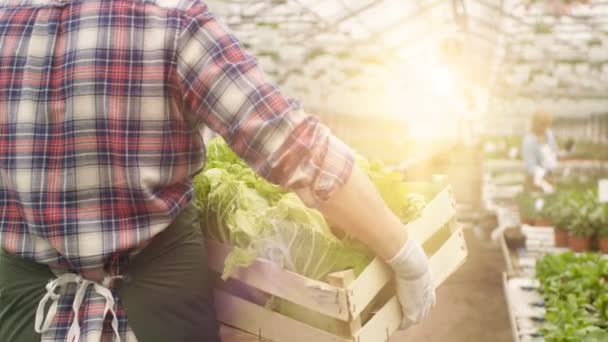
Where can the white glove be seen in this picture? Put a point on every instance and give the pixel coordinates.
(539, 180)
(415, 287)
(539, 175)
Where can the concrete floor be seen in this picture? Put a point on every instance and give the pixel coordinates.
(470, 304)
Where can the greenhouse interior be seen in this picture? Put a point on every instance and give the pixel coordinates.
(304, 170)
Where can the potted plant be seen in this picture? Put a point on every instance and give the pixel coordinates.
(544, 218)
(560, 213)
(600, 221)
(527, 209)
(602, 234)
(581, 228)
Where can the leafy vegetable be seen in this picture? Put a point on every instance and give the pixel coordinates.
(575, 291)
(263, 220)
(549, 208)
(576, 210)
(584, 204)
(527, 206)
(395, 192)
(599, 219)
(562, 209)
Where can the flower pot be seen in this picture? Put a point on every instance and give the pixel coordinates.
(603, 242)
(579, 243)
(561, 237)
(542, 222)
(528, 221)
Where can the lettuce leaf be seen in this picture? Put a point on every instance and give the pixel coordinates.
(261, 219)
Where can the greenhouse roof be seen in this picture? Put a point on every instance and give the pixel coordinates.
(515, 47)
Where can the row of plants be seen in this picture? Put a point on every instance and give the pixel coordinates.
(587, 150)
(502, 147)
(580, 221)
(575, 293)
(508, 147)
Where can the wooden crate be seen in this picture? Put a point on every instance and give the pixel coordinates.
(358, 307)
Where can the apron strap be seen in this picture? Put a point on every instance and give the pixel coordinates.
(43, 322)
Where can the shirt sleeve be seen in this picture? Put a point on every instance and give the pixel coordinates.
(223, 87)
(529, 153)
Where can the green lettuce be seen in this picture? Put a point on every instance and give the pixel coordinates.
(261, 219)
(575, 291)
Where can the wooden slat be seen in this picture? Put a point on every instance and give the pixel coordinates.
(229, 334)
(443, 263)
(446, 261)
(361, 292)
(383, 324)
(330, 300)
(435, 215)
(267, 324)
(342, 280)
(449, 257)
(269, 277)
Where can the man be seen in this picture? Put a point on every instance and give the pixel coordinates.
(540, 151)
(101, 109)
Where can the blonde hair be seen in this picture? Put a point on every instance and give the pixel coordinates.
(541, 120)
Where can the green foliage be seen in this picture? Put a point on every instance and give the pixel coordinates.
(395, 192)
(272, 25)
(527, 206)
(589, 150)
(575, 291)
(599, 219)
(550, 207)
(584, 204)
(261, 219)
(577, 211)
(562, 210)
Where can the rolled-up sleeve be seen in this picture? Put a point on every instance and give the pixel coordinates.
(223, 87)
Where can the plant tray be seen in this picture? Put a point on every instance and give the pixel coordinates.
(361, 309)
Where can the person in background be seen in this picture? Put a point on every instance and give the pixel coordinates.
(101, 109)
(540, 151)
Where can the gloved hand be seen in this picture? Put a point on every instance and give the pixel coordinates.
(414, 281)
(539, 175)
(539, 180)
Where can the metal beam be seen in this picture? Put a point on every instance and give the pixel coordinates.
(350, 15)
(398, 23)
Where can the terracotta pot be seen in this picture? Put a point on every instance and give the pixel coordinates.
(543, 222)
(528, 221)
(561, 237)
(603, 242)
(514, 238)
(579, 243)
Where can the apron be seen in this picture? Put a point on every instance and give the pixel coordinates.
(164, 292)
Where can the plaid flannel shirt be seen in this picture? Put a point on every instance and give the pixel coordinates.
(101, 109)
